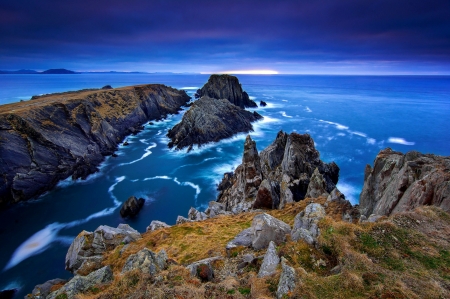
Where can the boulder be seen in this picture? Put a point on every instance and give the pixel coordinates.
(203, 269)
(401, 182)
(181, 220)
(316, 186)
(80, 284)
(226, 87)
(244, 238)
(210, 120)
(336, 195)
(262, 104)
(107, 87)
(270, 261)
(156, 224)
(196, 215)
(306, 223)
(146, 261)
(215, 208)
(131, 207)
(41, 291)
(288, 280)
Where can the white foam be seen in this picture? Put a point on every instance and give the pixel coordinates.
(371, 141)
(147, 153)
(195, 164)
(351, 192)
(338, 125)
(272, 105)
(284, 100)
(341, 134)
(358, 133)
(144, 141)
(190, 88)
(158, 177)
(283, 113)
(307, 109)
(400, 141)
(252, 98)
(111, 189)
(192, 185)
(159, 133)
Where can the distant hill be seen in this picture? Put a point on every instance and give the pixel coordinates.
(50, 71)
(19, 72)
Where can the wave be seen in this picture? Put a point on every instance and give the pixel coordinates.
(400, 141)
(371, 141)
(358, 133)
(147, 153)
(189, 88)
(284, 100)
(283, 113)
(252, 98)
(307, 109)
(194, 164)
(338, 125)
(144, 141)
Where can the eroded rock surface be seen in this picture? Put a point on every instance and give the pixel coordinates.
(146, 261)
(306, 223)
(401, 182)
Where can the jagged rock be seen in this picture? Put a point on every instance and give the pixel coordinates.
(131, 207)
(267, 197)
(270, 261)
(41, 291)
(372, 218)
(399, 182)
(87, 244)
(272, 156)
(305, 223)
(156, 224)
(146, 261)
(80, 284)
(68, 135)
(210, 120)
(90, 264)
(215, 208)
(203, 268)
(226, 87)
(336, 195)
(181, 220)
(8, 294)
(262, 104)
(288, 280)
(196, 215)
(316, 186)
(264, 229)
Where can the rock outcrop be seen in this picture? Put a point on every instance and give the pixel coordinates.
(156, 224)
(401, 182)
(210, 120)
(146, 261)
(131, 207)
(57, 136)
(286, 171)
(226, 87)
(288, 280)
(270, 261)
(306, 223)
(41, 291)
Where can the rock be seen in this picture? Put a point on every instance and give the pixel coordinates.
(270, 261)
(131, 207)
(305, 223)
(90, 264)
(146, 261)
(41, 291)
(262, 104)
(125, 143)
(264, 229)
(203, 268)
(114, 155)
(288, 280)
(196, 215)
(215, 208)
(336, 195)
(68, 135)
(316, 186)
(267, 197)
(107, 87)
(401, 182)
(80, 284)
(8, 294)
(371, 219)
(87, 244)
(210, 120)
(226, 87)
(156, 224)
(181, 220)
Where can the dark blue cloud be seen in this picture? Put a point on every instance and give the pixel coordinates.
(213, 34)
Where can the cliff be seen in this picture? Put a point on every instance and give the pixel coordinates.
(226, 87)
(57, 136)
(401, 182)
(210, 120)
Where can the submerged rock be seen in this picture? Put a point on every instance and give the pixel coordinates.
(401, 182)
(131, 207)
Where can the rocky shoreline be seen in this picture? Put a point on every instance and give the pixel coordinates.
(53, 137)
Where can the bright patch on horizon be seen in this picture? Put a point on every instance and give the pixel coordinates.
(246, 72)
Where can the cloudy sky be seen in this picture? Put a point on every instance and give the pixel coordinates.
(303, 36)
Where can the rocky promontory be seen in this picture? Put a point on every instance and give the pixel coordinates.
(286, 171)
(210, 120)
(401, 182)
(226, 87)
(57, 136)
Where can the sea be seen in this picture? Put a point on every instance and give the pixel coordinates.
(350, 118)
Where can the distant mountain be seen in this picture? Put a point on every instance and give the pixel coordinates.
(19, 72)
(50, 71)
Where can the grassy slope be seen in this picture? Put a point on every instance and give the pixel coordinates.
(404, 256)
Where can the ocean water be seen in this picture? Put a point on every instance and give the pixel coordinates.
(351, 118)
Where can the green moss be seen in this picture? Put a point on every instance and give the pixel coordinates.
(245, 291)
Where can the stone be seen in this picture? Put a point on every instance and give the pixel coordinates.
(181, 220)
(215, 208)
(336, 195)
(266, 197)
(401, 182)
(288, 280)
(262, 104)
(244, 238)
(306, 223)
(210, 120)
(146, 261)
(203, 269)
(267, 228)
(156, 224)
(80, 284)
(131, 207)
(41, 291)
(107, 87)
(196, 215)
(226, 87)
(316, 186)
(270, 261)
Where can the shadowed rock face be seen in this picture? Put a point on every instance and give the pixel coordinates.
(51, 138)
(210, 120)
(401, 182)
(226, 87)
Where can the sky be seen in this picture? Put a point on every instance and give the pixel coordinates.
(287, 37)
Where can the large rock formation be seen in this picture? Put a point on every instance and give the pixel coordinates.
(210, 120)
(401, 182)
(282, 173)
(226, 87)
(57, 136)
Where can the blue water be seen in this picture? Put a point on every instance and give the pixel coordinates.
(350, 118)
